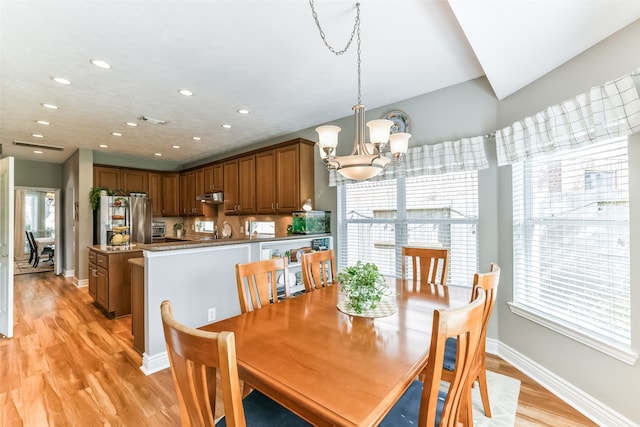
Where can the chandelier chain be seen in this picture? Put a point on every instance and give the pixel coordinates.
(354, 32)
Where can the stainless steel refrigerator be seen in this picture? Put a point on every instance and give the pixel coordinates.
(134, 213)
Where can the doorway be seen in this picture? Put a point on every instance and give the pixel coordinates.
(37, 211)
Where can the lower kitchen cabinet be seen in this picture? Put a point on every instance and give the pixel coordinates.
(110, 280)
(137, 303)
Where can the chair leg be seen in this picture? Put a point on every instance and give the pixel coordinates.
(36, 261)
(484, 392)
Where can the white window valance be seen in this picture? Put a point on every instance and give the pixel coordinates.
(604, 112)
(465, 154)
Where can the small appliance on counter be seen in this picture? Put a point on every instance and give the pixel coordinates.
(311, 222)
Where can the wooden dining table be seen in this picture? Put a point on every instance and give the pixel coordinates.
(332, 368)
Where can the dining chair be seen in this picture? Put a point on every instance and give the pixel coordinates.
(318, 269)
(196, 357)
(32, 249)
(424, 404)
(488, 282)
(427, 264)
(258, 282)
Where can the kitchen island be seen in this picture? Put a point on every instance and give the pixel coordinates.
(198, 277)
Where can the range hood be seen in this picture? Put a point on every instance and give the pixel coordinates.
(213, 198)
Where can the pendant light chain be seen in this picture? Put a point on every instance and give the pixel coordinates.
(356, 30)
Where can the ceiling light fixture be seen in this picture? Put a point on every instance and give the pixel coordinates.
(43, 122)
(37, 135)
(227, 126)
(176, 146)
(61, 80)
(50, 106)
(185, 92)
(158, 154)
(37, 151)
(132, 124)
(100, 63)
(365, 161)
(152, 120)
(197, 138)
(243, 111)
(116, 134)
(104, 146)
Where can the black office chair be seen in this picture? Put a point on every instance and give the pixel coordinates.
(33, 251)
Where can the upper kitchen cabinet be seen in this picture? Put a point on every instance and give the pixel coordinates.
(213, 178)
(240, 186)
(155, 193)
(110, 178)
(171, 194)
(285, 177)
(191, 185)
(135, 181)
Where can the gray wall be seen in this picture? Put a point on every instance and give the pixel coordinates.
(30, 173)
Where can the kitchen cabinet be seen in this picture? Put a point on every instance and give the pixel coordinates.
(155, 193)
(170, 194)
(191, 185)
(184, 196)
(110, 280)
(240, 186)
(110, 178)
(136, 181)
(198, 190)
(213, 178)
(285, 178)
(137, 303)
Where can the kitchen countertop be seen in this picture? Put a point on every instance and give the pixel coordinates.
(190, 242)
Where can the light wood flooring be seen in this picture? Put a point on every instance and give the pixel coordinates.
(68, 365)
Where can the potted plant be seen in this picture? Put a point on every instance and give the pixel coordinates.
(178, 227)
(363, 285)
(94, 196)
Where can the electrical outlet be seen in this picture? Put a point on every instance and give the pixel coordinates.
(211, 314)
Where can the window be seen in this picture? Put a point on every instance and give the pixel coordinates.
(377, 218)
(571, 243)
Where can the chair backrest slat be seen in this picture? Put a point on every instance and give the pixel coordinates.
(427, 264)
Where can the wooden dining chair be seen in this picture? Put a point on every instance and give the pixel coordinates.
(423, 404)
(488, 282)
(318, 269)
(427, 264)
(33, 250)
(258, 282)
(196, 357)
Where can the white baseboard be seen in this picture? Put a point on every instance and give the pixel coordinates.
(68, 273)
(586, 404)
(153, 364)
(82, 283)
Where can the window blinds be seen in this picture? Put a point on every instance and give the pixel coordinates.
(571, 240)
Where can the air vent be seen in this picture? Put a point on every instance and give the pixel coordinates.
(152, 120)
(41, 146)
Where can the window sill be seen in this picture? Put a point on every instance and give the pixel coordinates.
(624, 354)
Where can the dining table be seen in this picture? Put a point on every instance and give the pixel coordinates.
(44, 241)
(333, 368)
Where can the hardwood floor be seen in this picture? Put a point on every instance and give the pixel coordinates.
(69, 365)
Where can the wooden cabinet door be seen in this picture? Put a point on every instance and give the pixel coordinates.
(93, 280)
(102, 287)
(135, 181)
(247, 184)
(208, 178)
(170, 194)
(155, 193)
(287, 181)
(266, 182)
(198, 191)
(230, 171)
(184, 197)
(107, 177)
(218, 178)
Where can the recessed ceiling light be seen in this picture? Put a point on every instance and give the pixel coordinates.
(175, 146)
(61, 80)
(197, 138)
(37, 151)
(132, 124)
(50, 106)
(37, 135)
(116, 134)
(185, 92)
(43, 122)
(104, 146)
(227, 126)
(100, 63)
(243, 111)
(158, 154)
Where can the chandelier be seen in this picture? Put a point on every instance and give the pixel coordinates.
(365, 160)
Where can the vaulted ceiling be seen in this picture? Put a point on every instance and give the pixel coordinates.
(263, 56)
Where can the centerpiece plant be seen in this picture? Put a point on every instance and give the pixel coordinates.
(363, 285)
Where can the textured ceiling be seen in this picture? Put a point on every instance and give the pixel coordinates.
(265, 56)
